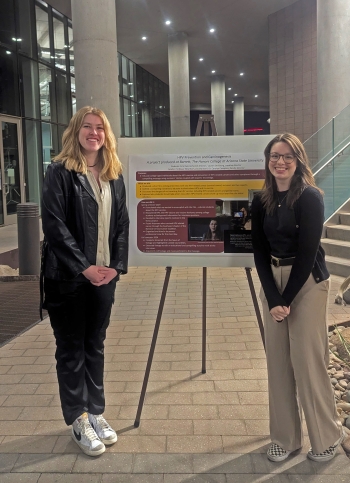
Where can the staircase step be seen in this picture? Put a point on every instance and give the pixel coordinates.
(344, 218)
(338, 232)
(338, 266)
(336, 248)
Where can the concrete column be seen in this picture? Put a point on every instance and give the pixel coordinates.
(238, 115)
(96, 58)
(179, 87)
(333, 58)
(218, 105)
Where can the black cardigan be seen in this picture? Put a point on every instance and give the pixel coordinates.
(309, 216)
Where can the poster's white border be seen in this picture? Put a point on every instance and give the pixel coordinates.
(185, 145)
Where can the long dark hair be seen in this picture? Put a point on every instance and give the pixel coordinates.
(218, 232)
(302, 177)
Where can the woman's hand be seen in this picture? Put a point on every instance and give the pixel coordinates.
(108, 275)
(279, 313)
(94, 274)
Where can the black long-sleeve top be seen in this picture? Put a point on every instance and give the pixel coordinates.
(304, 244)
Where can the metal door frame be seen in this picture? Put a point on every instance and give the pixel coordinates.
(11, 219)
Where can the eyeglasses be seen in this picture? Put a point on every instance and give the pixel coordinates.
(287, 158)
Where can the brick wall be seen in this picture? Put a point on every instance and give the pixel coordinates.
(293, 69)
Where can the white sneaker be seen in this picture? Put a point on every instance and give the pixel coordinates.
(103, 430)
(85, 437)
(329, 453)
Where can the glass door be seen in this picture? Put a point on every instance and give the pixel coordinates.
(11, 169)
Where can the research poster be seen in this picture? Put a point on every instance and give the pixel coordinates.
(188, 204)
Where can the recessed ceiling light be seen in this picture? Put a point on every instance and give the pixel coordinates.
(232, 102)
(256, 95)
(236, 94)
(194, 78)
(168, 22)
(201, 59)
(229, 88)
(213, 71)
(8, 52)
(212, 31)
(241, 73)
(144, 38)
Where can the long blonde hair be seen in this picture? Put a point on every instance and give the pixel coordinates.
(72, 156)
(302, 177)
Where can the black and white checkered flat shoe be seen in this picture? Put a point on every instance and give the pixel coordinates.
(276, 453)
(328, 454)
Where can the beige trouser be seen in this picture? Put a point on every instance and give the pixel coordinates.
(297, 359)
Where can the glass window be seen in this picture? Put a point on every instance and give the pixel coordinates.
(9, 93)
(33, 157)
(127, 120)
(74, 99)
(71, 49)
(8, 36)
(25, 31)
(47, 104)
(30, 83)
(125, 76)
(59, 43)
(49, 143)
(131, 82)
(63, 98)
(133, 119)
(42, 33)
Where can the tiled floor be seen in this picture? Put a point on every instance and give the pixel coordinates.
(194, 427)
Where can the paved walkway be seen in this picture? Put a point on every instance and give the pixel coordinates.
(194, 427)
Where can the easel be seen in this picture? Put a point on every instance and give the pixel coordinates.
(203, 119)
(204, 329)
(206, 119)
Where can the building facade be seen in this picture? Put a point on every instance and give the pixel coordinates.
(37, 98)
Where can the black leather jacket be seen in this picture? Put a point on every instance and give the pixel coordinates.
(70, 225)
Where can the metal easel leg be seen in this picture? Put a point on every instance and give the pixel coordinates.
(204, 321)
(153, 345)
(256, 305)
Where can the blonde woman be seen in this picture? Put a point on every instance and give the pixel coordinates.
(287, 221)
(85, 223)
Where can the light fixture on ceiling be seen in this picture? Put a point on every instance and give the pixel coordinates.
(168, 22)
(241, 73)
(143, 38)
(229, 88)
(236, 95)
(201, 59)
(212, 30)
(8, 52)
(256, 95)
(194, 78)
(213, 71)
(232, 102)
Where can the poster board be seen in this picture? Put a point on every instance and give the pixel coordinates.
(177, 187)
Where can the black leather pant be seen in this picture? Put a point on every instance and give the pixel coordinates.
(79, 314)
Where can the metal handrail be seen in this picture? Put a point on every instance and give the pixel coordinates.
(333, 157)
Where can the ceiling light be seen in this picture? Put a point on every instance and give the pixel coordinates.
(256, 95)
(236, 94)
(8, 52)
(229, 88)
(201, 59)
(232, 102)
(212, 31)
(241, 73)
(168, 22)
(144, 38)
(213, 71)
(194, 78)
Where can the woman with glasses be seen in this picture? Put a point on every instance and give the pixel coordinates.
(287, 222)
(86, 226)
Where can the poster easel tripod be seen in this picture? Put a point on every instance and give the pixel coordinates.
(205, 119)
